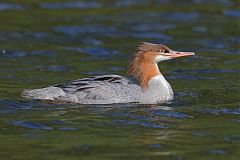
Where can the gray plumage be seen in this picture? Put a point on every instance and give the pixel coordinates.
(104, 89)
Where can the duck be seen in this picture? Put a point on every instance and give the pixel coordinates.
(149, 87)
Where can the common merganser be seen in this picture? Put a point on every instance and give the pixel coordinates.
(108, 89)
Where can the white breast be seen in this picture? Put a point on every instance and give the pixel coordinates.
(159, 90)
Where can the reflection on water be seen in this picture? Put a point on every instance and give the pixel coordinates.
(29, 125)
(45, 43)
(9, 6)
(70, 5)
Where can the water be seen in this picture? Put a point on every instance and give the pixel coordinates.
(45, 43)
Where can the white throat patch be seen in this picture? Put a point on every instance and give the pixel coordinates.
(160, 58)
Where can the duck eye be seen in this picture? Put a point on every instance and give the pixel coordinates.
(161, 51)
(166, 51)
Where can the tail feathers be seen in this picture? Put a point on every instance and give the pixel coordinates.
(49, 93)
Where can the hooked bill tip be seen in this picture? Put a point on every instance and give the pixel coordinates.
(189, 53)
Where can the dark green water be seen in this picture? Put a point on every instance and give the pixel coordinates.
(44, 43)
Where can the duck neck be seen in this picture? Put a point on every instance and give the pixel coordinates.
(148, 71)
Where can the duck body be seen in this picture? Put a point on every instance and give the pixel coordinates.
(105, 89)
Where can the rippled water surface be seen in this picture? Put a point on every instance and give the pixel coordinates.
(48, 42)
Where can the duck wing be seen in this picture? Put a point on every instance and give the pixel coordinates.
(97, 83)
